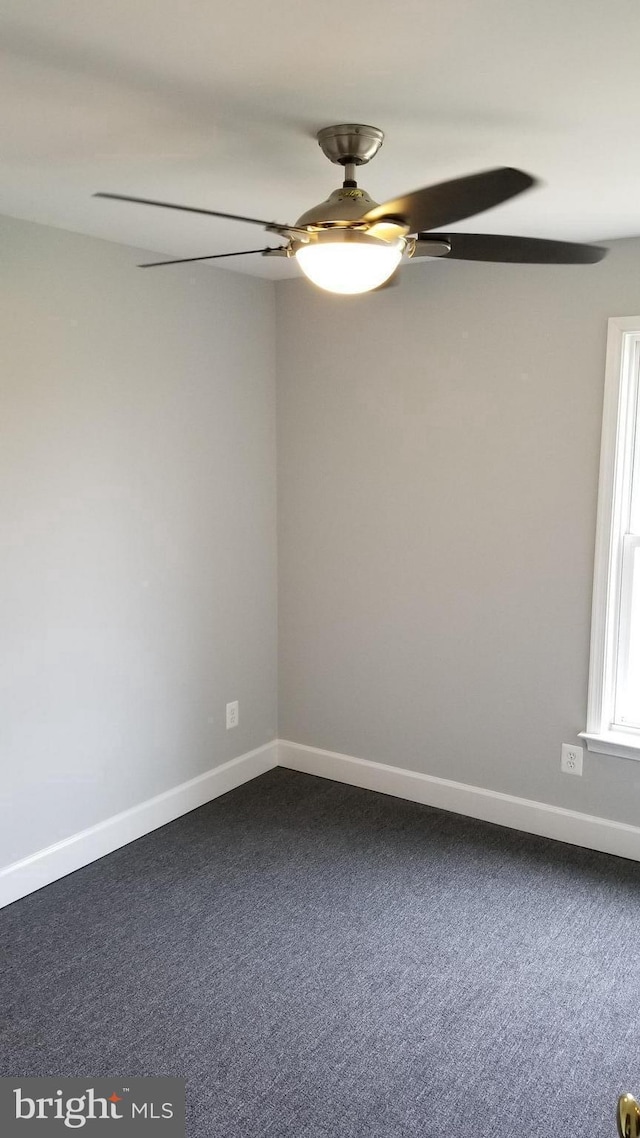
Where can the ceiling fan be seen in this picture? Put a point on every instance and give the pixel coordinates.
(350, 244)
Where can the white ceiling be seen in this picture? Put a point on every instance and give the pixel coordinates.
(216, 104)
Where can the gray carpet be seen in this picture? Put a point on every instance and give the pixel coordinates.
(324, 962)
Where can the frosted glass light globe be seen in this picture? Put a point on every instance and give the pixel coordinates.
(349, 262)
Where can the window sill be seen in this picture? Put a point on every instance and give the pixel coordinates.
(624, 746)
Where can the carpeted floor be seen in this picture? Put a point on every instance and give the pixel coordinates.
(324, 962)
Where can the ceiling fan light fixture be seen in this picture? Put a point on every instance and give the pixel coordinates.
(348, 262)
(349, 244)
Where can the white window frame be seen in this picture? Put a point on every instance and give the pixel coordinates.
(622, 382)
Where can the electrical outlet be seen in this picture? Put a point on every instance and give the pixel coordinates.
(571, 759)
(233, 714)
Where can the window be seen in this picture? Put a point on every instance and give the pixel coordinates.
(613, 720)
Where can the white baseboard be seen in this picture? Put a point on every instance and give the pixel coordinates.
(585, 830)
(47, 865)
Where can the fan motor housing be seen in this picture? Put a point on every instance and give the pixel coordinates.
(345, 206)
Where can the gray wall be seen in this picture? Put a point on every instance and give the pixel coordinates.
(137, 512)
(438, 465)
(438, 462)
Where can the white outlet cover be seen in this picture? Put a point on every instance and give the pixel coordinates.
(571, 759)
(233, 714)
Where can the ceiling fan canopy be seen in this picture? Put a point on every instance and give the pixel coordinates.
(351, 244)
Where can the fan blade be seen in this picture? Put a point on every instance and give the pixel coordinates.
(210, 257)
(274, 225)
(452, 201)
(521, 250)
